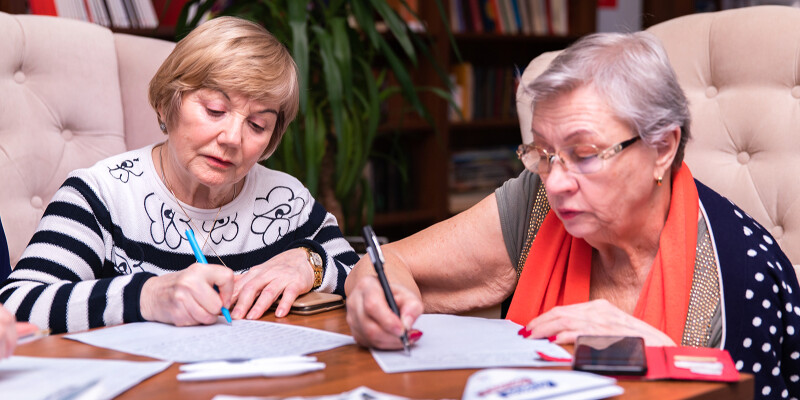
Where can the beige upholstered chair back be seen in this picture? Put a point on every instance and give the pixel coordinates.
(71, 93)
(740, 70)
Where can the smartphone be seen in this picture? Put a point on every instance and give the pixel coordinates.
(610, 355)
(315, 302)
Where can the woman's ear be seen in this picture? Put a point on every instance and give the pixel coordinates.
(667, 150)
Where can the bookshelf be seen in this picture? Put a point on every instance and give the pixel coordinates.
(429, 149)
(163, 31)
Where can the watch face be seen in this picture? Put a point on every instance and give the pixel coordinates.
(316, 259)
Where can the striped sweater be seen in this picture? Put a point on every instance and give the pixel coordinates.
(112, 226)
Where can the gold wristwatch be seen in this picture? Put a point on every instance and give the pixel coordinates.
(316, 263)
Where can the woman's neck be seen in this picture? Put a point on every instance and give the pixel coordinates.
(184, 187)
(626, 256)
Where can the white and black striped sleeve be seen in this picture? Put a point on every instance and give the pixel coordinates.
(64, 280)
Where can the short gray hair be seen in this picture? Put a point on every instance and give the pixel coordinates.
(632, 73)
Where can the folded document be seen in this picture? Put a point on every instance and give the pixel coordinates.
(528, 384)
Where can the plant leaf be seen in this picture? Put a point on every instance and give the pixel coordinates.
(397, 26)
(300, 51)
(404, 79)
(333, 84)
(365, 22)
(342, 55)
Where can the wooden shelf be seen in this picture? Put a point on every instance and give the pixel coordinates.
(485, 133)
(485, 125)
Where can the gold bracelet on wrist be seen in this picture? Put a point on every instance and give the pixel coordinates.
(316, 263)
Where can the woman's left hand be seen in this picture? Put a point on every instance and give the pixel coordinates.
(564, 324)
(288, 274)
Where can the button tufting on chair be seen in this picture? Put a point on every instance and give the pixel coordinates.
(743, 157)
(77, 75)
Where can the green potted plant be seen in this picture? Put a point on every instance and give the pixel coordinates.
(344, 59)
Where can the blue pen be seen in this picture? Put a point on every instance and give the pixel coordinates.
(198, 255)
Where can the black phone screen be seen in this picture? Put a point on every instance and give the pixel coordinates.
(610, 355)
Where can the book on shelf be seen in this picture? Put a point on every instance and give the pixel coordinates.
(475, 174)
(388, 184)
(490, 16)
(483, 92)
(510, 17)
(539, 12)
(506, 13)
(110, 13)
(475, 16)
(559, 16)
(457, 23)
(521, 9)
(43, 7)
(462, 90)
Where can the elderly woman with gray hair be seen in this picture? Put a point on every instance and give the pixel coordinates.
(605, 233)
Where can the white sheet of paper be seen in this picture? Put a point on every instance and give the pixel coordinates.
(519, 384)
(359, 393)
(243, 339)
(455, 342)
(58, 378)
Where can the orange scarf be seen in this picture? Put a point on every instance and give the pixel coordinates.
(558, 269)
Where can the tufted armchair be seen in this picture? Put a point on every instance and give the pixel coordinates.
(740, 70)
(71, 94)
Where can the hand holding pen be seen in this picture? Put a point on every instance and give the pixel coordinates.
(187, 297)
(376, 255)
(198, 255)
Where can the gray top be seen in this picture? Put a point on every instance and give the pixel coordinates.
(514, 202)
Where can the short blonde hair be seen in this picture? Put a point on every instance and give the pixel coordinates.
(229, 54)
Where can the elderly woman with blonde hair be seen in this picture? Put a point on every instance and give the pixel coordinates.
(112, 245)
(605, 233)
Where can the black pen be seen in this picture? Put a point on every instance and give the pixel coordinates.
(376, 255)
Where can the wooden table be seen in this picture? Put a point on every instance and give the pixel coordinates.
(347, 368)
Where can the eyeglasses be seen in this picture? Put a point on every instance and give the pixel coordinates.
(580, 158)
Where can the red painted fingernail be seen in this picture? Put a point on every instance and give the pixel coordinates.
(552, 339)
(524, 332)
(414, 335)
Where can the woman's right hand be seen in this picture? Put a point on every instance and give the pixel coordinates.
(8, 333)
(187, 297)
(372, 322)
